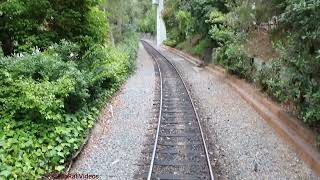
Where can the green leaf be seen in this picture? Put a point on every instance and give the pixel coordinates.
(59, 168)
(61, 154)
(59, 148)
(5, 173)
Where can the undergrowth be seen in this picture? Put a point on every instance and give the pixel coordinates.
(290, 75)
(49, 100)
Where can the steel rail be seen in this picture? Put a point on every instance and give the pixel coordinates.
(193, 107)
(159, 123)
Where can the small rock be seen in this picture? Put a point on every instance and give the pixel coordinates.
(255, 167)
(115, 162)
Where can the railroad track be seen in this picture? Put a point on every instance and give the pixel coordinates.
(176, 148)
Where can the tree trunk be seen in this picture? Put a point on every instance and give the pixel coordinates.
(110, 30)
(6, 43)
(111, 38)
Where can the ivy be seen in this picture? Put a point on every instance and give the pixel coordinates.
(57, 68)
(49, 100)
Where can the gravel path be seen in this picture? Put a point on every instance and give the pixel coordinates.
(244, 146)
(116, 141)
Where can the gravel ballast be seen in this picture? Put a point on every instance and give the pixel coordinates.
(117, 139)
(242, 143)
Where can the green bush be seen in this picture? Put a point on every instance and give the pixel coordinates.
(34, 86)
(130, 46)
(200, 48)
(293, 76)
(184, 19)
(1, 52)
(269, 78)
(230, 52)
(233, 57)
(302, 81)
(32, 93)
(184, 45)
(220, 31)
(300, 21)
(49, 100)
(180, 23)
(242, 16)
(169, 17)
(298, 24)
(52, 90)
(147, 24)
(40, 23)
(310, 109)
(186, 23)
(170, 42)
(66, 50)
(29, 150)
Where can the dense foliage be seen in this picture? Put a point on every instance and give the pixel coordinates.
(300, 23)
(49, 102)
(59, 68)
(293, 76)
(27, 24)
(147, 20)
(122, 17)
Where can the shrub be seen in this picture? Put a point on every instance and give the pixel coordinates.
(310, 110)
(185, 45)
(66, 50)
(147, 24)
(301, 20)
(299, 23)
(186, 23)
(243, 16)
(130, 46)
(30, 149)
(233, 57)
(270, 79)
(40, 23)
(169, 17)
(220, 31)
(302, 81)
(32, 93)
(294, 76)
(34, 86)
(170, 42)
(200, 48)
(49, 100)
(1, 52)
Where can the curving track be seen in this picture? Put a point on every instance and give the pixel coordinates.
(177, 148)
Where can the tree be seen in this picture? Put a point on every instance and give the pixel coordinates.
(121, 16)
(25, 24)
(20, 21)
(147, 14)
